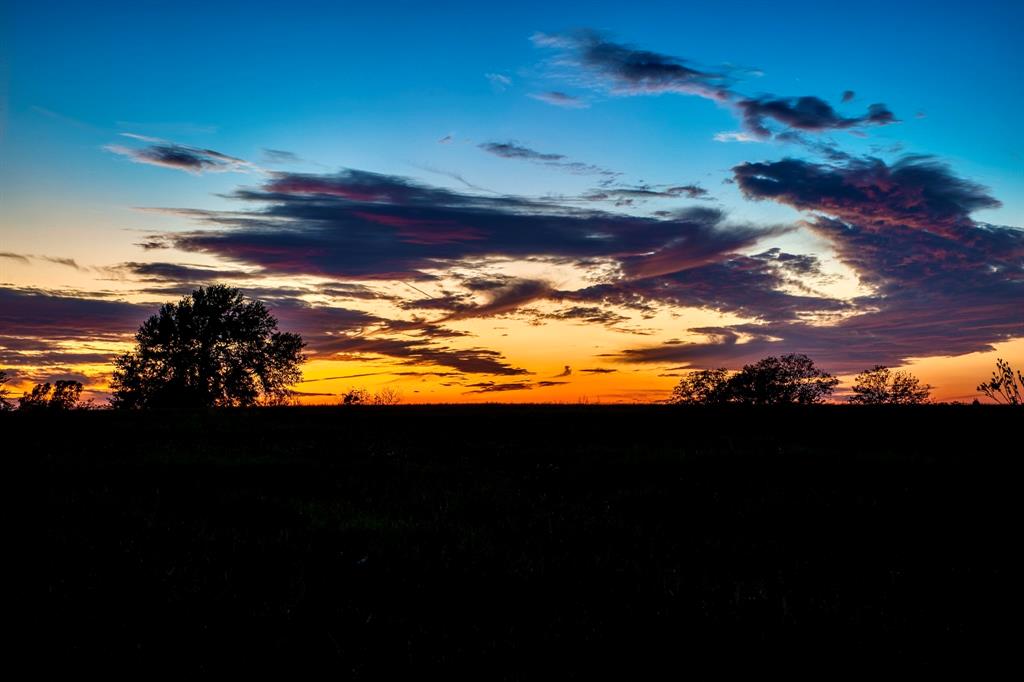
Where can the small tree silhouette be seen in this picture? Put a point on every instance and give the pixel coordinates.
(355, 396)
(62, 395)
(5, 404)
(1005, 386)
(387, 395)
(882, 386)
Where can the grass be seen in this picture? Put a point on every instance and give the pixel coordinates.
(500, 541)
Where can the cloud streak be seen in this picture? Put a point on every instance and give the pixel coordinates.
(193, 160)
(557, 98)
(592, 59)
(513, 150)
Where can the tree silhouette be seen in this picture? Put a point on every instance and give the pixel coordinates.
(1005, 386)
(355, 396)
(387, 395)
(62, 395)
(790, 379)
(702, 387)
(213, 348)
(882, 386)
(5, 404)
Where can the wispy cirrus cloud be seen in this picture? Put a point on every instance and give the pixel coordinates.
(27, 258)
(560, 99)
(629, 196)
(499, 81)
(181, 157)
(513, 150)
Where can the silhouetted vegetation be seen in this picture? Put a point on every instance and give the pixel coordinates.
(211, 349)
(61, 395)
(787, 380)
(386, 395)
(882, 386)
(1005, 386)
(5, 403)
(588, 541)
(703, 387)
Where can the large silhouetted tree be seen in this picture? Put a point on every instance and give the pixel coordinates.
(1005, 386)
(785, 380)
(882, 386)
(213, 348)
(790, 379)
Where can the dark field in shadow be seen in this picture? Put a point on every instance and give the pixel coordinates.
(503, 540)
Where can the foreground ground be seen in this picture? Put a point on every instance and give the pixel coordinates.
(494, 540)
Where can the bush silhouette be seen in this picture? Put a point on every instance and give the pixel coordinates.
(1005, 386)
(882, 386)
(213, 348)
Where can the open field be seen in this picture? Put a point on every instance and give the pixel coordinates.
(497, 539)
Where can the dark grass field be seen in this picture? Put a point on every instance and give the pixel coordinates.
(506, 542)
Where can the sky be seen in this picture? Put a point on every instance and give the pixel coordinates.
(529, 202)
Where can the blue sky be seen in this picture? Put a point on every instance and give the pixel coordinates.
(377, 87)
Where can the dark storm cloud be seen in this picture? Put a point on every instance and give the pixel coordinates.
(805, 113)
(359, 225)
(180, 157)
(512, 150)
(943, 283)
(626, 70)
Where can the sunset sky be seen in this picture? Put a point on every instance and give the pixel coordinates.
(522, 201)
